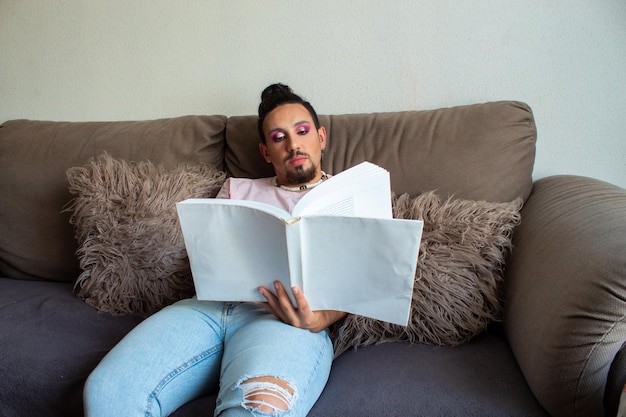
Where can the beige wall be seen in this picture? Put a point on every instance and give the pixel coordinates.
(142, 59)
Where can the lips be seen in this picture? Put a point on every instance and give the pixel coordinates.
(298, 160)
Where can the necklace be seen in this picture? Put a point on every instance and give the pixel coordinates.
(302, 187)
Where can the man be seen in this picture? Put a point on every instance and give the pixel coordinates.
(269, 358)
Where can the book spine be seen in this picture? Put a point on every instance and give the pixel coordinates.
(294, 254)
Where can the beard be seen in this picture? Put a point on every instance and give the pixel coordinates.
(302, 175)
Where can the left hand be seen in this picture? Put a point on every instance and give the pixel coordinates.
(300, 315)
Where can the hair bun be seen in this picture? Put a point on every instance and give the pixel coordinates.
(276, 91)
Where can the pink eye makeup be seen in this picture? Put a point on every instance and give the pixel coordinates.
(300, 129)
(303, 129)
(277, 136)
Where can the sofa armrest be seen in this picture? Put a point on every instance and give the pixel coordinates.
(565, 292)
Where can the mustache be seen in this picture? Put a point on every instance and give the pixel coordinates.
(293, 154)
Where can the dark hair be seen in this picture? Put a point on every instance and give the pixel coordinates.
(276, 95)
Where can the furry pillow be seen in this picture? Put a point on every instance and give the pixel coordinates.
(458, 281)
(131, 247)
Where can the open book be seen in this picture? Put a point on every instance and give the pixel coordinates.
(340, 245)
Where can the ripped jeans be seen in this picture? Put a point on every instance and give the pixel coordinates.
(261, 366)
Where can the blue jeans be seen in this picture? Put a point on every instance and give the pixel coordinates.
(193, 347)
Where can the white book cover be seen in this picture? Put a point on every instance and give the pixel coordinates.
(340, 245)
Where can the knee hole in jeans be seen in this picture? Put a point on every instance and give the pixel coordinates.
(267, 394)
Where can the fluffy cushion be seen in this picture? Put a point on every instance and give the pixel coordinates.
(458, 281)
(131, 248)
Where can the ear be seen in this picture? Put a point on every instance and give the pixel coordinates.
(322, 134)
(264, 153)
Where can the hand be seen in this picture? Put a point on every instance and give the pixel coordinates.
(301, 315)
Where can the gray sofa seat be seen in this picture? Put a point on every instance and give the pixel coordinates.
(50, 341)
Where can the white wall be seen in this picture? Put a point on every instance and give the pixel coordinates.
(143, 59)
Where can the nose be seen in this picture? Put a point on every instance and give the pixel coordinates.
(291, 142)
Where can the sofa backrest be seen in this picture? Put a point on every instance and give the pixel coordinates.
(478, 152)
(36, 239)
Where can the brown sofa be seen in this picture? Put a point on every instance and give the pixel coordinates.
(558, 349)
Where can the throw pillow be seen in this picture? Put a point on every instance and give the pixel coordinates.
(458, 280)
(131, 248)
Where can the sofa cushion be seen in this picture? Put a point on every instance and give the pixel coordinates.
(54, 341)
(36, 239)
(401, 379)
(458, 281)
(476, 152)
(49, 343)
(132, 251)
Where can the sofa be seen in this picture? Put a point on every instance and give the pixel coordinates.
(551, 332)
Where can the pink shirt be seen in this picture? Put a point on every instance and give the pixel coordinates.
(263, 190)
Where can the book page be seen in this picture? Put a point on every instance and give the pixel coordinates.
(233, 249)
(268, 208)
(361, 191)
(360, 265)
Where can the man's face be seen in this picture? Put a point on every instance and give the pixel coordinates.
(293, 145)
